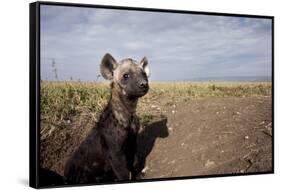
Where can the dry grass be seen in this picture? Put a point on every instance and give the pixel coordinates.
(211, 89)
(61, 101)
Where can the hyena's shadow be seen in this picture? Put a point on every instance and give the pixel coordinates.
(147, 137)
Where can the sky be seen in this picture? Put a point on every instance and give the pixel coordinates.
(177, 46)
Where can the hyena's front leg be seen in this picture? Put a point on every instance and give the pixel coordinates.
(118, 163)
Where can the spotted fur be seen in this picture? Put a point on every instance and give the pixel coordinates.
(109, 151)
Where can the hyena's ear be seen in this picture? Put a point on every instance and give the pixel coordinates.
(108, 65)
(144, 65)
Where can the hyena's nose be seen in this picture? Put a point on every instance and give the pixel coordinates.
(143, 84)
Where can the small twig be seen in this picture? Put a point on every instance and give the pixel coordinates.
(268, 125)
(254, 150)
(267, 133)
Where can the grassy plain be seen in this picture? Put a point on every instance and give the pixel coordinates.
(60, 101)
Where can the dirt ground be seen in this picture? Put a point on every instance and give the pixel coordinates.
(213, 136)
(196, 137)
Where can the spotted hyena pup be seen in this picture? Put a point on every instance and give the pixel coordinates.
(109, 152)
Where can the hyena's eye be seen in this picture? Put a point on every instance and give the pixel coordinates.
(126, 76)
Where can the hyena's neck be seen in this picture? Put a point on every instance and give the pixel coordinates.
(121, 104)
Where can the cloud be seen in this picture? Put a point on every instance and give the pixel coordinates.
(178, 46)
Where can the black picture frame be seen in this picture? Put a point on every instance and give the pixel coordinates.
(34, 83)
